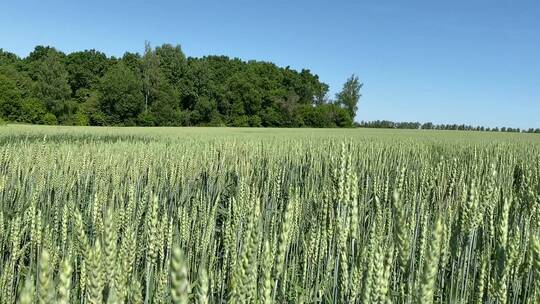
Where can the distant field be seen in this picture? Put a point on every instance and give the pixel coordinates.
(352, 134)
(246, 215)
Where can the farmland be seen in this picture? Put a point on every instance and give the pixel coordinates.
(247, 215)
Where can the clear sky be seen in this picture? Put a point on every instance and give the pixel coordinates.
(474, 62)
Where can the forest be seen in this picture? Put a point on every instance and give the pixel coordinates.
(387, 124)
(164, 87)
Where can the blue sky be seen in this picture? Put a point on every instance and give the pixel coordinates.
(475, 62)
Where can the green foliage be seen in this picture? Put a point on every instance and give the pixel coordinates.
(8, 88)
(172, 62)
(80, 119)
(162, 88)
(47, 69)
(350, 95)
(204, 111)
(326, 115)
(49, 119)
(33, 111)
(85, 69)
(10, 97)
(121, 97)
(386, 124)
(7, 58)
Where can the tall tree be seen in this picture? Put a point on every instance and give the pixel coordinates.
(172, 62)
(85, 68)
(10, 97)
(46, 67)
(350, 95)
(162, 87)
(121, 98)
(150, 71)
(7, 58)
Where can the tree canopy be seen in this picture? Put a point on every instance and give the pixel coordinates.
(164, 87)
(350, 95)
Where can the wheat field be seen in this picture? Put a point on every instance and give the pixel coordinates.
(210, 215)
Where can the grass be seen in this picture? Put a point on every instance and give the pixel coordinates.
(239, 215)
(354, 134)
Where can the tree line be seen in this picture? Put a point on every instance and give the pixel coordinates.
(386, 124)
(163, 87)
